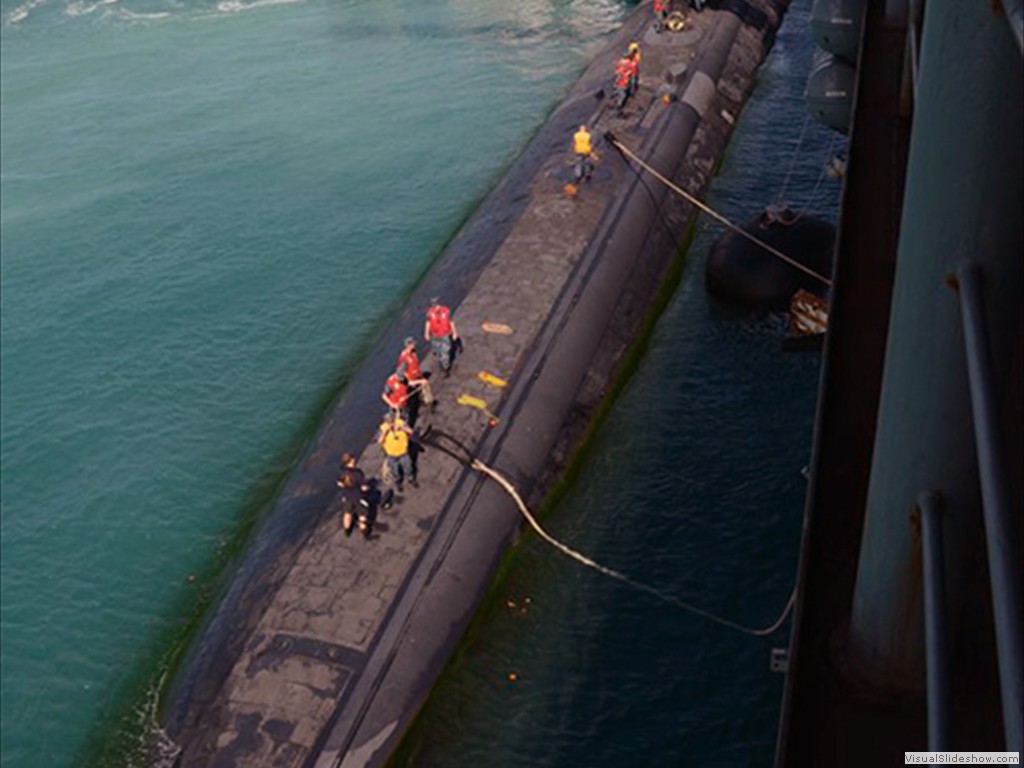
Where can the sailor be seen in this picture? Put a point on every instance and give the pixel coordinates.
(353, 485)
(372, 499)
(393, 438)
(623, 79)
(441, 332)
(582, 146)
(660, 8)
(396, 395)
(634, 79)
(409, 368)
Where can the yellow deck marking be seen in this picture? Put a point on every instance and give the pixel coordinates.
(496, 328)
(489, 378)
(477, 402)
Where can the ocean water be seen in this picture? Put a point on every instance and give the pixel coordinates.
(692, 485)
(207, 210)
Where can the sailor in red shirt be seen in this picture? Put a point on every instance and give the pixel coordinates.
(409, 368)
(441, 332)
(396, 396)
(625, 70)
(634, 77)
(660, 14)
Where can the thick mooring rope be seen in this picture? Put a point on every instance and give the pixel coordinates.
(579, 557)
(630, 155)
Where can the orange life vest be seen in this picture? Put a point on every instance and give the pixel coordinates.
(411, 363)
(439, 320)
(396, 393)
(623, 71)
(660, 6)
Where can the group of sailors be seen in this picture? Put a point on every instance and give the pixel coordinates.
(408, 386)
(627, 83)
(406, 389)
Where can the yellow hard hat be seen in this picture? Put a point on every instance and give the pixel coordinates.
(634, 46)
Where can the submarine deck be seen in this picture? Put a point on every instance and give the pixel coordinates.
(323, 652)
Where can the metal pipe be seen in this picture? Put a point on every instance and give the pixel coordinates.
(1003, 559)
(940, 718)
(908, 94)
(1014, 10)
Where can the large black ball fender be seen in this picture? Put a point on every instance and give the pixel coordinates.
(742, 272)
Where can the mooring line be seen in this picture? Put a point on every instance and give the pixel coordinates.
(629, 154)
(578, 556)
(781, 199)
(817, 184)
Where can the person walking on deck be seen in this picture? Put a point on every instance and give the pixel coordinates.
(410, 369)
(441, 332)
(634, 76)
(393, 438)
(396, 395)
(353, 485)
(660, 8)
(583, 169)
(623, 78)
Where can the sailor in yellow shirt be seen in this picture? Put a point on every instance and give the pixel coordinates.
(393, 438)
(582, 146)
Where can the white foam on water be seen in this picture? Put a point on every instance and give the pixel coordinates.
(123, 14)
(21, 13)
(154, 749)
(78, 8)
(237, 6)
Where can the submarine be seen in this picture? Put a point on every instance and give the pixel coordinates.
(323, 647)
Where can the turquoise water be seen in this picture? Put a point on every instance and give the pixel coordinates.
(208, 210)
(693, 484)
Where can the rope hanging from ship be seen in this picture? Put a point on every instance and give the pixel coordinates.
(824, 171)
(628, 155)
(437, 439)
(780, 200)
